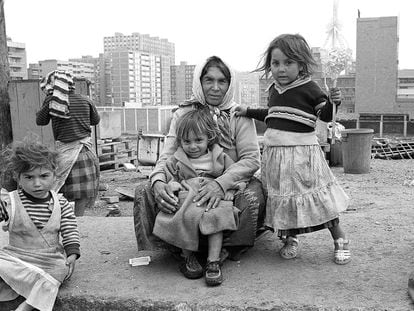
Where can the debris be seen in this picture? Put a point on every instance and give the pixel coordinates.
(113, 211)
(409, 183)
(129, 167)
(140, 261)
(387, 149)
(125, 192)
(103, 187)
(105, 252)
(145, 170)
(110, 199)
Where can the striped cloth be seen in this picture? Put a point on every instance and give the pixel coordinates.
(3, 212)
(58, 84)
(39, 213)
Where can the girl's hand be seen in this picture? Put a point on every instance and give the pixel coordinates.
(210, 192)
(240, 111)
(165, 198)
(70, 261)
(335, 95)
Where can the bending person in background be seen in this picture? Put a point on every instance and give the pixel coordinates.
(213, 87)
(72, 116)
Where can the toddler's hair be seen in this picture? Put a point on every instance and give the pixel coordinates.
(198, 121)
(295, 47)
(24, 156)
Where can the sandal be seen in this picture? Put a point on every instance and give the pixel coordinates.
(213, 275)
(290, 248)
(342, 256)
(190, 267)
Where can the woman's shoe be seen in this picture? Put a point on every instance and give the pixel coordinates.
(290, 248)
(213, 273)
(342, 256)
(190, 267)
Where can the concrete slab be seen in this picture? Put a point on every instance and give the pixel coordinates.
(376, 279)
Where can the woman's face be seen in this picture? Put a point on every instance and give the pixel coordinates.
(215, 86)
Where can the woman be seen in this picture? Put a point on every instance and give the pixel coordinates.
(213, 86)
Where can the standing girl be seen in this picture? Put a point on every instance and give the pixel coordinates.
(303, 194)
(198, 159)
(35, 262)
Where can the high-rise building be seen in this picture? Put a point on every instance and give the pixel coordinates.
(33, 72)
(16, 53)
(247, 88)
(77, 69)
(95, 78)
(406, 83)
(152, 46)
(376, 65)
(181, 82)
(134, 77)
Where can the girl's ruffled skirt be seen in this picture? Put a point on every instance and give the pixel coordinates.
(302, 191)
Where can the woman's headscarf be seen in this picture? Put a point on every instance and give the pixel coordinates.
(221, 112)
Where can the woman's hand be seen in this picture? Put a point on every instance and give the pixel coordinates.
(165, 198)
(70, 261)
(210, 192)
(335, 95)
(240, 111)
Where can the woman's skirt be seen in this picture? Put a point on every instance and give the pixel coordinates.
(303, 195)
(83, 179)
(250, 202)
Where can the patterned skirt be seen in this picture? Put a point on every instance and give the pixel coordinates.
(303, 195)
(83, 179)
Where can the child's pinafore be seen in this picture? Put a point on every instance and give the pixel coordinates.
(33, 265)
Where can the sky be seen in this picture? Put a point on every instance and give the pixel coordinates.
(238, 31)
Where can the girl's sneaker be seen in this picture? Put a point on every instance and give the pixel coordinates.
(213, 274)
(190, 267)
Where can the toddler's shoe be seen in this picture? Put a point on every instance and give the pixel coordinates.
(213, 273)
(190, 267)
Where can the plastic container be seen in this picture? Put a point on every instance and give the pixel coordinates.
(356, 150)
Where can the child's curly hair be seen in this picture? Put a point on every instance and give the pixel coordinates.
(197, 121)
(24, 156)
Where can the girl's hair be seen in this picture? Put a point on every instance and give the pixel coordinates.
(199, 121)
(294, 47)
(27, 155)
(215, 61)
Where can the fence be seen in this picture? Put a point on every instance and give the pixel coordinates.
(383, 125)
(154, 119)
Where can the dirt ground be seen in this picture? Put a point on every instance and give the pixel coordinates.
(378, 223)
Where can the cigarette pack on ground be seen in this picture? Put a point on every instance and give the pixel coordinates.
(140, 261)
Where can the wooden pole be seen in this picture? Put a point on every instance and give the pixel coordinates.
(6, 136)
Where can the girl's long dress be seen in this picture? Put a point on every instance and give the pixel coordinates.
(33, 265)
